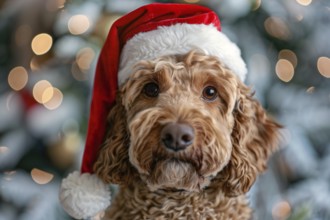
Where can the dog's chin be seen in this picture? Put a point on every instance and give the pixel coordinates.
(175, 175)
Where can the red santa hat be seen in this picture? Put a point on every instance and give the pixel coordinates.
(147, 33)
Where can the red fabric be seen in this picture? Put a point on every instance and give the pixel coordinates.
(143, 19)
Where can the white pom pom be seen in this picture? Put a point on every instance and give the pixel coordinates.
(84, 195)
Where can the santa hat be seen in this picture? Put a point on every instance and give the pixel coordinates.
(147, 33)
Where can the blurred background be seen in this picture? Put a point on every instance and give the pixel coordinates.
(48, 52)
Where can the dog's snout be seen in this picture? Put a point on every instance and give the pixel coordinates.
(177, 136)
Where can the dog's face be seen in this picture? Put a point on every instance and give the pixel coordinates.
(186, 123)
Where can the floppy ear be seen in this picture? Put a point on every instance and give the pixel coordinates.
(254, 137)
(112, 164)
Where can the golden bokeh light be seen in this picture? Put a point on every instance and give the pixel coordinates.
(284, 70)
(85, 58)
(304, 2)
(56, 99)
(61, 3)
(47, 94)
(39, 90)
(288, 55)
(41, 177)
(277, 27)
(281, 210)
(4, 149)
(191, 1)
(256, 5)
(41, 43)
(310, 90)
(78, 24)
(34, 65)
(17, 78)
(323, 66)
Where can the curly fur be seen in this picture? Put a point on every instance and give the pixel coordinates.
(208, 180)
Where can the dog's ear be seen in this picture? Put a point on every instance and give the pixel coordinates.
(112, 164)
(254, 137)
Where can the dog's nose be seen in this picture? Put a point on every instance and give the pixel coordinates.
(177, 136)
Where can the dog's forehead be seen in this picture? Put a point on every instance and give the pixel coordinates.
(179, 68)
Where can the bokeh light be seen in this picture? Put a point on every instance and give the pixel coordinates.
(41, 43)
(310, 90)
(4, 149)
(284, 70)
(281, 210)
(288, 55)
(256, 5)
(56, 99)
(78, 24)
(277, 27)
(39, 90)
(17, 78)
(323, 65)
(191, 1)
(34, 64)
(41, 177)
(85, 58)
(304, 2)
(61, 3)
(47, 94)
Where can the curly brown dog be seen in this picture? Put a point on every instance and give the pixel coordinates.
(186, 140)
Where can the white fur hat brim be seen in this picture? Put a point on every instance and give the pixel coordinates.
(180, 39)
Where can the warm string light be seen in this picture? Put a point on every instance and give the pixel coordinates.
(78, 24)
(46, 94)
(288, 55)
(34, 65)
(304, 2)
(192, 1)
(39, 89)
(55, 101)
(281, 210)
(85, 58)
(256, 5)
(277, 27)
(61, 3)
(310, 90)
(41, 177)
(3, 150)
(323, 66)
(286, 64)
(17, 78)
(41, 43)
(284, 70)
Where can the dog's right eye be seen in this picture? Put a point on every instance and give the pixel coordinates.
(151, 89)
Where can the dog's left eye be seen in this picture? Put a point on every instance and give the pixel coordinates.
(210, 93)
(151, 89)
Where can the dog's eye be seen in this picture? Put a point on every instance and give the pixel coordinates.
(151, 89)
(210, 93)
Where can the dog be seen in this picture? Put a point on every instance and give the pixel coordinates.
(186, 139)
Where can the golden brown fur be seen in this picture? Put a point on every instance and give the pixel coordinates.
(207, 180)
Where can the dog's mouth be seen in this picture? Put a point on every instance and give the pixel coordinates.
(174, 175)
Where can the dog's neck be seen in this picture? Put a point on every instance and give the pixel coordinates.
(138, 202)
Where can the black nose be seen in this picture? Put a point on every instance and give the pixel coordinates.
(176, 136)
